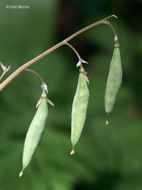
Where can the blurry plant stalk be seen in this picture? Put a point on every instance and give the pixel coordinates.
(64, 42)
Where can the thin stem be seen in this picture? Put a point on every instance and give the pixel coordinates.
(113, 29)
(88, 27)
(2, 75)
(75, 51)
(80, 61)
(31, 70)
(5, 70)
(29, 63)
(44, 90)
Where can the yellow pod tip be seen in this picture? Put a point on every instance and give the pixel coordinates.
(72, 152)
(21, 172)
(107, 121)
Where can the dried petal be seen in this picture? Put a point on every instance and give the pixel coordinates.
(83, 61)
(44, 86)
(50, 102)
(78, 63)
(4, 68)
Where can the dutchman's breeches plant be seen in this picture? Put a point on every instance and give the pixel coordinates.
(81, 97)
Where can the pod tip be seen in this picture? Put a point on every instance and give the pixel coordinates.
(72, 152)
(107, 121)
(21, 173)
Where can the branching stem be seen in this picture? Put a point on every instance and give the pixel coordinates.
(29, 63)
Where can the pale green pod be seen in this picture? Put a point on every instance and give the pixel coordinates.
(79, 109)
(34, 133)
(114, 80)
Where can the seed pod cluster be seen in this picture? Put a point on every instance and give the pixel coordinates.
(34, 133)
(79, 109)
(114, 80)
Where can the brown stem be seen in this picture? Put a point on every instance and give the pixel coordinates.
(75, 51)
(80, 59)
(29, 63)
(31, 70)
(113, 29)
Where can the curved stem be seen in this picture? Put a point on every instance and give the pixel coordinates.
(75, 51)
(88, 27)
(113, 29)
(29, 63)
(80, 61)
(41, 79)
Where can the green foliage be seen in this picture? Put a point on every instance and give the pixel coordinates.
(107, 158)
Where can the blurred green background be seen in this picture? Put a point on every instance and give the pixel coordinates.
(107, 158)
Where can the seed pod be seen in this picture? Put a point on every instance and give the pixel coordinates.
(114, 80)
(79, 109)
(34, 133)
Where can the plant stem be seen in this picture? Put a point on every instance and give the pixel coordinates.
(29, 63)
(113, 29)
(31, 70)
(80, 60)
(75, 51)
(2, 75)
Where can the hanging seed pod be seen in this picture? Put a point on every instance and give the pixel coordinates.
(114, 80)
(79, 109)
(35, 132)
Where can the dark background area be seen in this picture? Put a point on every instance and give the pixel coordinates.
(107, 157)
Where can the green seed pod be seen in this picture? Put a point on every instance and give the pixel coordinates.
(79, 109)
(34, 133)
(114, 80)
